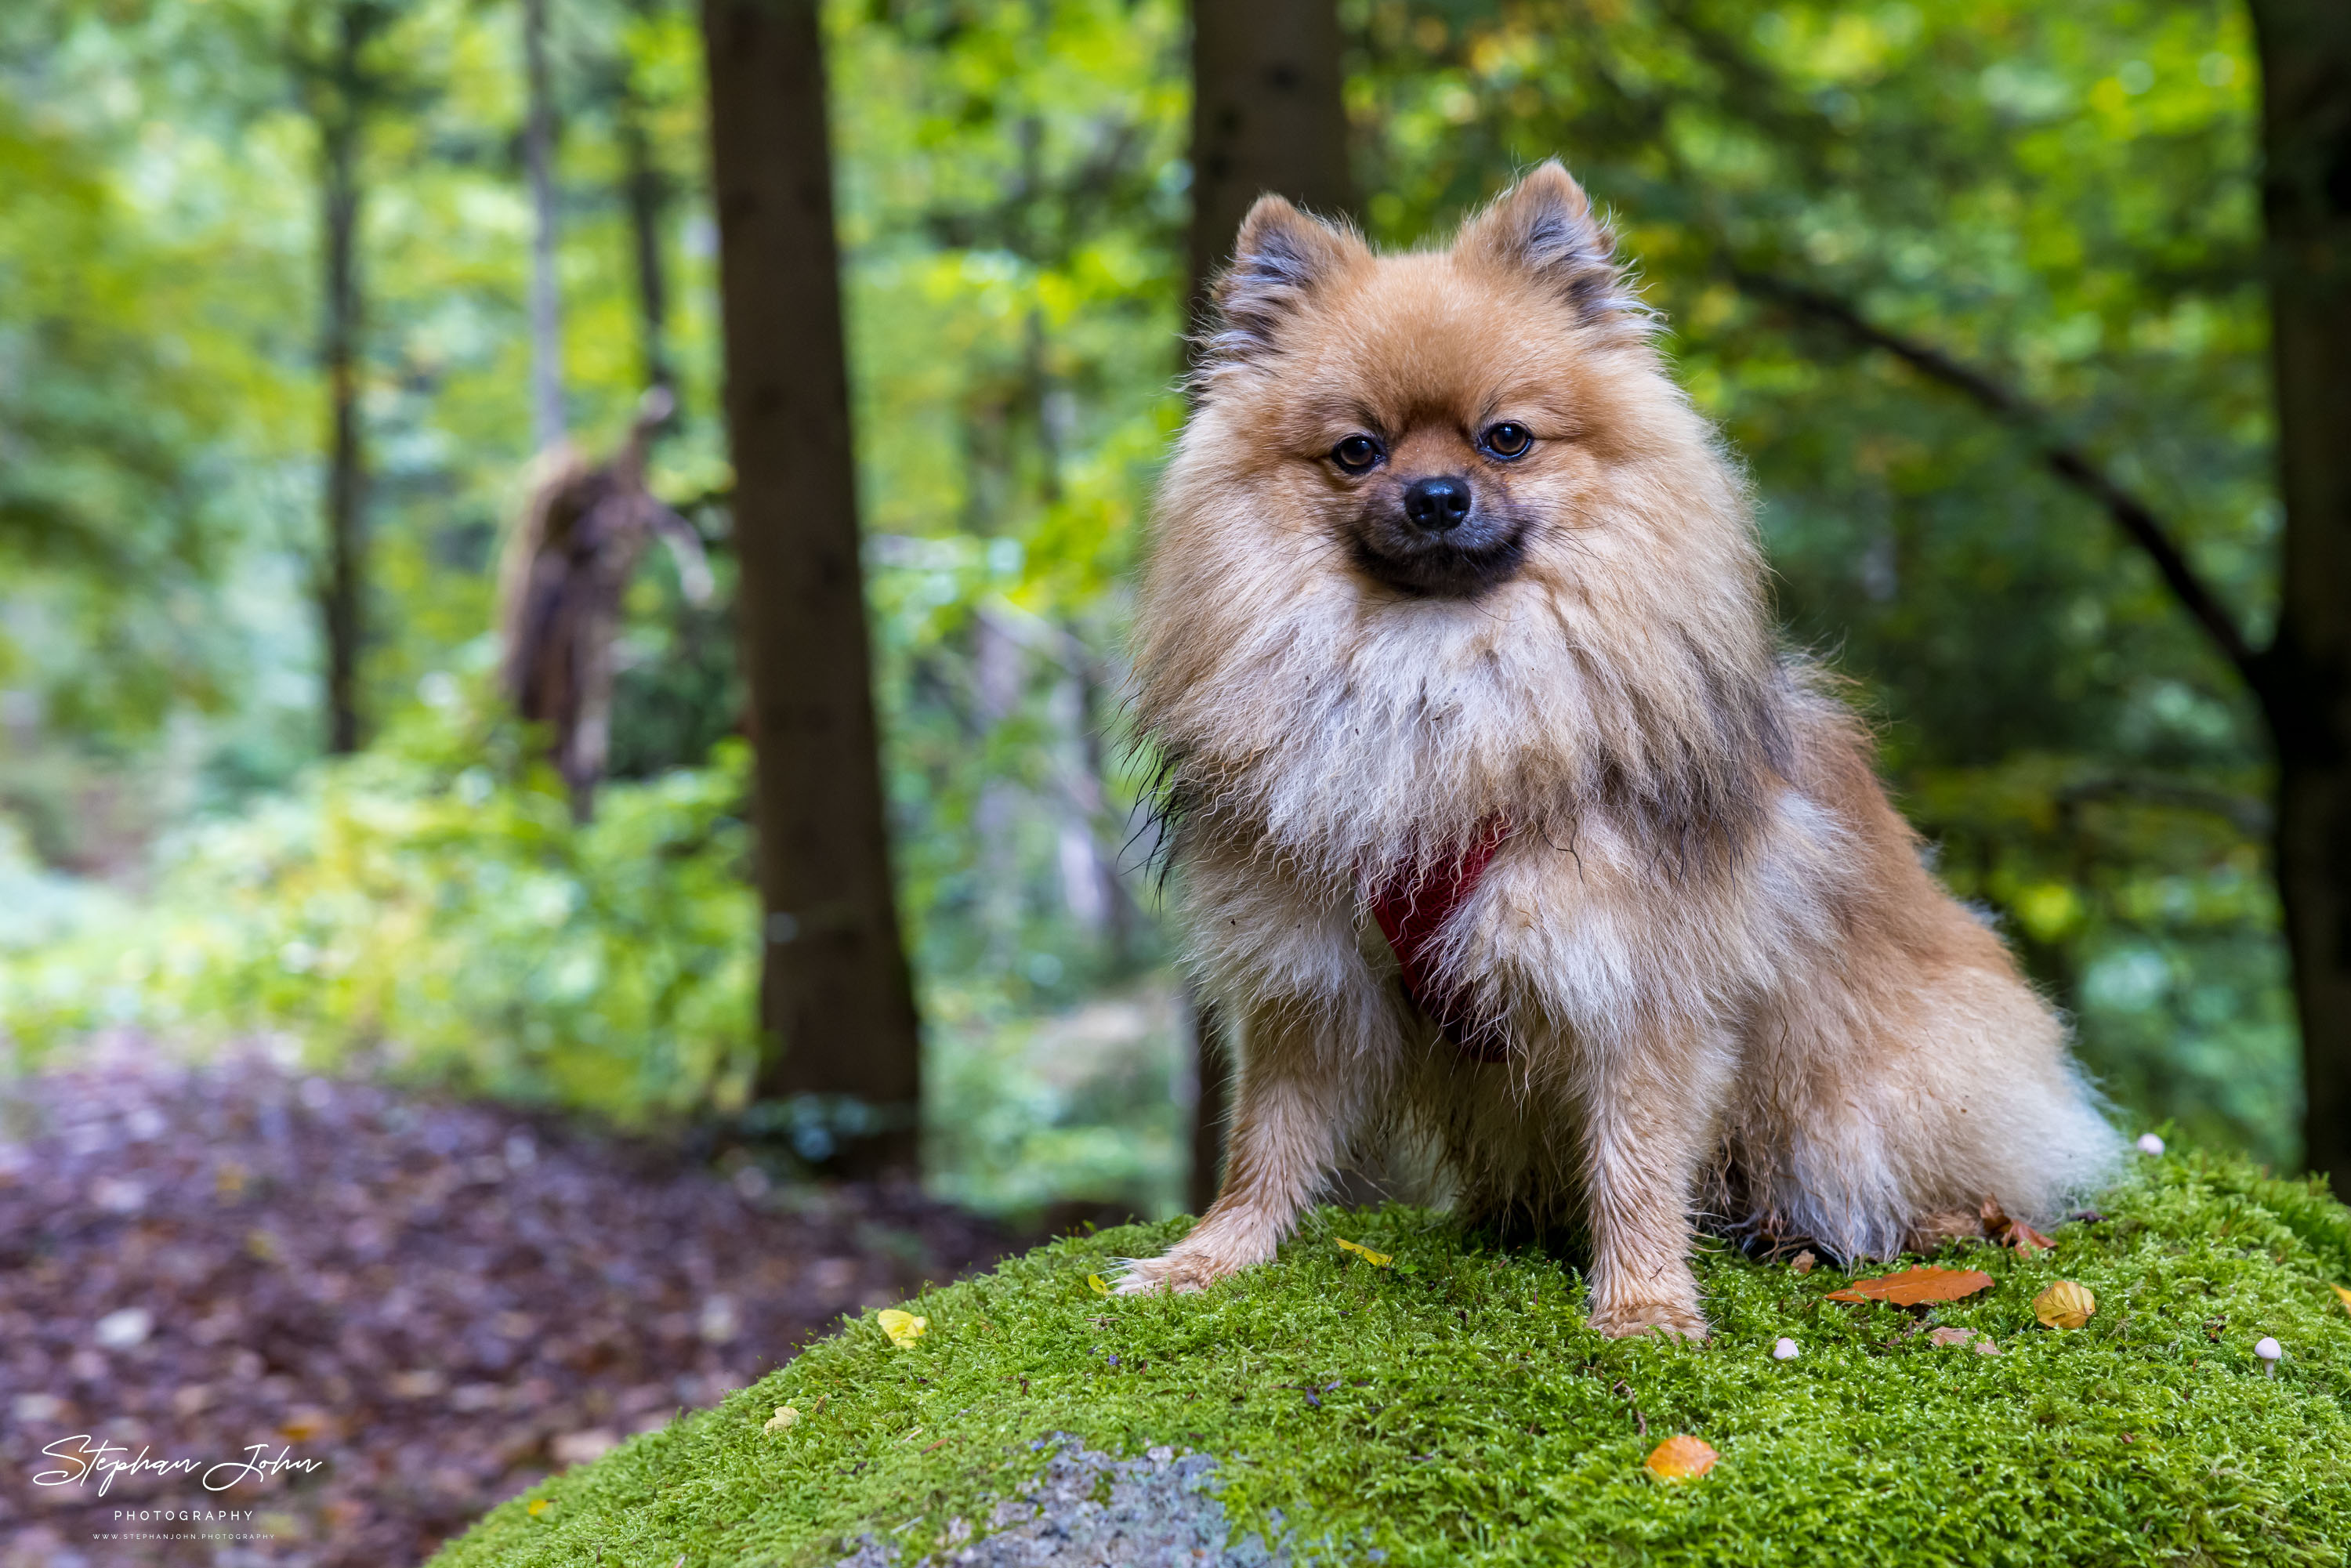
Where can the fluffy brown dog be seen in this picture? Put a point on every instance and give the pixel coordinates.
(1502, 825)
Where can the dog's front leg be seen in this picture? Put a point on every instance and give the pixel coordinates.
(1292, 1116)
(1649, 1112)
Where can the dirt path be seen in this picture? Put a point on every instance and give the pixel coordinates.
(429, 1305)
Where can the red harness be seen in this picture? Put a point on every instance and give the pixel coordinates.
(1411, 910)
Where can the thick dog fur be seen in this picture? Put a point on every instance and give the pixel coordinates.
(1728, 993)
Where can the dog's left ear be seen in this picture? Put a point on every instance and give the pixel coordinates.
(1544, 224)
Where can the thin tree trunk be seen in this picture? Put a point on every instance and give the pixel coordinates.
(836, 1003)
(339, 94)
(1268, 115)
(546, 302)
(2305, 52)
(647, 193)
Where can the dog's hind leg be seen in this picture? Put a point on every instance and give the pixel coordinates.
(1295, 1115)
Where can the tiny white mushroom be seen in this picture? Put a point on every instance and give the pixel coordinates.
(2268, 1350)
(2149, 1143)
(1786, 1350)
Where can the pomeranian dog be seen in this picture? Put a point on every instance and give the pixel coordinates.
(1504, 826)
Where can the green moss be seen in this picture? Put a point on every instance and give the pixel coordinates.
(1462, 1413)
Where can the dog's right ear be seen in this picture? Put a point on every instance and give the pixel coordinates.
(1282, 256)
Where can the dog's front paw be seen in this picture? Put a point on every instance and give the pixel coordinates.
(1674, 1320)
(1199, 1260)
(1177, 1271)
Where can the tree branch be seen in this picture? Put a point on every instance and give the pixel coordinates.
(2067, 462)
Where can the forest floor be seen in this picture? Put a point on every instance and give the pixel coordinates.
(423, 1306)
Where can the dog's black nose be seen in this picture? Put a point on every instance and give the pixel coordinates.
(1437, 503)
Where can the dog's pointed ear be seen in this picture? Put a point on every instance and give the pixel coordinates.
(1280, 258)
(1544, 225)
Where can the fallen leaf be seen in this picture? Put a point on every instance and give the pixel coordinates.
(2065, 1305)
(1101, 1286)
(1681, 1459)
(539, 1505)
(1802, 1263)
(782, 1420)
(2345, 1296)
(1377, 1260)
(903, 1328)
(2012, 1232)
(1967, 1338)
(1914, 1286)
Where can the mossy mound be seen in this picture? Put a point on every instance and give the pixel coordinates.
(1452, 1407)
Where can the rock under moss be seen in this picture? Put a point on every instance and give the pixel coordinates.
(1453, 1408)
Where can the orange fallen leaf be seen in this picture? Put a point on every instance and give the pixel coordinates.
(1681, 1459)
(2345, 1296)
(2010, 1233)
(1912, 1287)
(1803, 1261)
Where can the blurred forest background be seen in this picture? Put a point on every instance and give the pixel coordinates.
(200, 841)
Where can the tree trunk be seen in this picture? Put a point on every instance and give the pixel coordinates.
(339, 96)
(646, 194)
(2305, 52)
(836, 1004)
(545, 306)
(1268, 115)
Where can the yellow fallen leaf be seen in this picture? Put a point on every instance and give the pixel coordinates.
(2345, 1297)
(1681, 1459)
(539, 1505)
(1377, 1260)
(782, 1420)
(903, 1328)
(1101, 1286)
(2066, 1305)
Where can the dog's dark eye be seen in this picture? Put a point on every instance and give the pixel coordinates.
(1356, 453)
(1507, 440)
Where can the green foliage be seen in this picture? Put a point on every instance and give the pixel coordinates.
(1012, 218)
(1024, 1111)
(421, 907)
(1461, 1413)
